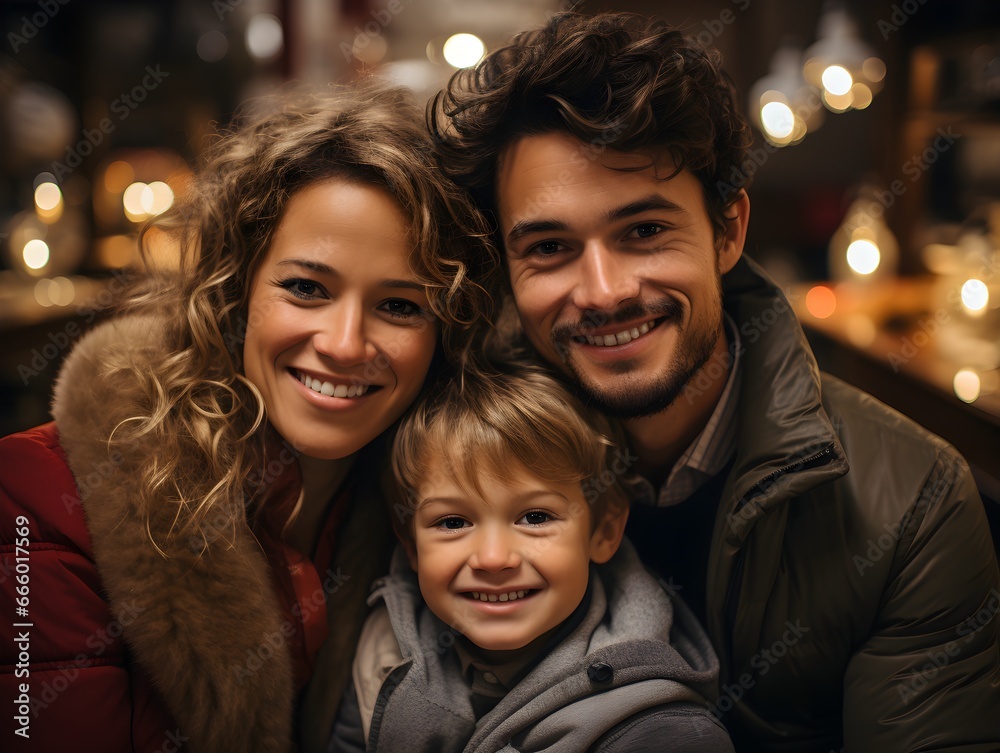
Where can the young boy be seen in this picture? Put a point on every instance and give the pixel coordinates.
(528, 624)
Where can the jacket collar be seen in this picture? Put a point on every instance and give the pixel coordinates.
(787, 442)
(207, 628)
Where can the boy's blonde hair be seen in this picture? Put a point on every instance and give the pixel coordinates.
(484, 423)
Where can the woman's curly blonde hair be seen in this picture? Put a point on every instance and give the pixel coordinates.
(205, 416)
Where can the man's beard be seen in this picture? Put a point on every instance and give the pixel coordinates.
(631, 398)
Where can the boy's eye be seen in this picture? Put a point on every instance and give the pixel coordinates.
(452, 524)
(535, 518)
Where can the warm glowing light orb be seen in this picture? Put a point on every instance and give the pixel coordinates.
(47, 196)
(837, 80)
(967, 385)
(778, 119)
(265, 36)
(464, 50)
(975, 295)
(863, 257)
(35, 254)
(821, 302)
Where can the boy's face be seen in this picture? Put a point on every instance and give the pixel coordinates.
(506, 568)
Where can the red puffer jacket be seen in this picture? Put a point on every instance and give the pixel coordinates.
(125, 647)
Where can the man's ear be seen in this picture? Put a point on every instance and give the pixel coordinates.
(737, 215)
(607, 537)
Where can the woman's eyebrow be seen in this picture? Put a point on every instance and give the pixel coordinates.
(318, 266)
(409, 284)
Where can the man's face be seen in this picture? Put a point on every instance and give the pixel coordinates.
(615, 271)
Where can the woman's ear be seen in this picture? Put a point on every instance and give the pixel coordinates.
(607, 537)
(737, 216)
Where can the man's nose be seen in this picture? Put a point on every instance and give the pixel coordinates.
(606, 281)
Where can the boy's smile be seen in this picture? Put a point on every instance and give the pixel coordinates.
(507, 566)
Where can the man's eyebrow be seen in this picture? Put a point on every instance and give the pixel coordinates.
(653, 202)
(527, 227)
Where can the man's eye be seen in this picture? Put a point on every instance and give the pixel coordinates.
(546, 248)
(535, 518)
(647, 230)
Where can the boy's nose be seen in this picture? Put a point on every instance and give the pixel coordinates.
(495, 552)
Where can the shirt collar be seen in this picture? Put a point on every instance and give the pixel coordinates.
(714, 446)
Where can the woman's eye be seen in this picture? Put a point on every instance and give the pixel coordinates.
(400, 308)
(304, 289)
(535, 518)
(452, 524)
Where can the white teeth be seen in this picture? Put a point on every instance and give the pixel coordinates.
(621, 337)
(332, 390)
(512, 596)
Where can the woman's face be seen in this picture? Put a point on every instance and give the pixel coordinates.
(339, 334)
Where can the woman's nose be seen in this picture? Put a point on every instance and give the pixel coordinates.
(342, 336)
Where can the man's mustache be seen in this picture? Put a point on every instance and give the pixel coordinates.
(668, 309)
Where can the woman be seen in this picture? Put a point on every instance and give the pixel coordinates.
(198, 527)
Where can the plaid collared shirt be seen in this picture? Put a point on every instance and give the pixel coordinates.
(711, 449)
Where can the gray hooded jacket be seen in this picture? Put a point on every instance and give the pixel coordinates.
(634, 675)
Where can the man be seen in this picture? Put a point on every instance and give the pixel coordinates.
(838, 553)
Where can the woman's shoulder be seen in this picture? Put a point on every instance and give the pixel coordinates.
(38, 492)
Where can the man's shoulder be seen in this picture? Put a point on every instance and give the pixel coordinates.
(895, 464)
(856, 413)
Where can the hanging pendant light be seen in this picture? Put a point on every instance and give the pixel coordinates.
(840, 64)
(782, 104)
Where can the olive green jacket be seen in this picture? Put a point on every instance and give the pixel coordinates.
(853, 584)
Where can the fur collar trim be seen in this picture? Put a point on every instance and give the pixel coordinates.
(206, 625)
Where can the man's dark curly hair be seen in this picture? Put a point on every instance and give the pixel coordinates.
(614, 80)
